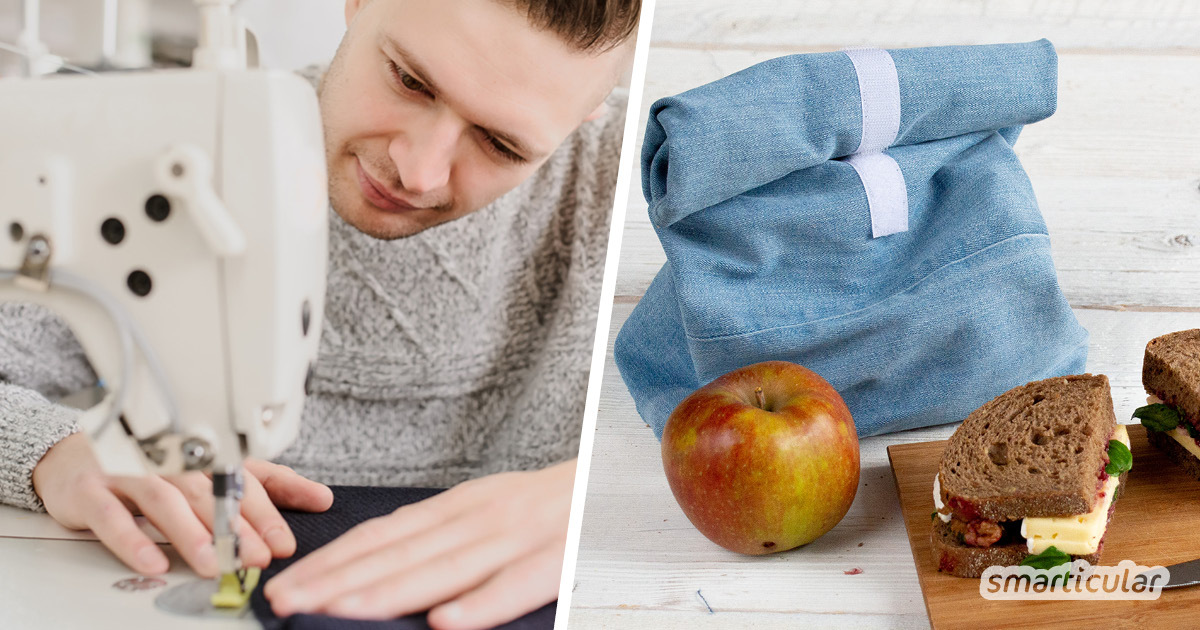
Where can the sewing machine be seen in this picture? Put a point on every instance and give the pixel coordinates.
(177, 222)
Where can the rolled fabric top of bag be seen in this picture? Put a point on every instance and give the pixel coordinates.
(720, 140)
(860, 213)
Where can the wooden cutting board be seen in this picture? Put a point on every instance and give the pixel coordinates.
(1157, 522)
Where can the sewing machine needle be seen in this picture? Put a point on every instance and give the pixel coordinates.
(227, 493)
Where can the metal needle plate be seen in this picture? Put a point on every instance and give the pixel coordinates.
(194, 599)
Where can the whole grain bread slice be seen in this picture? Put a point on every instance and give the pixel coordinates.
(1035, 450)
(1171, 371)
(953, 557)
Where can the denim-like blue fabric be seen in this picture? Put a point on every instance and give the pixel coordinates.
(770, 255)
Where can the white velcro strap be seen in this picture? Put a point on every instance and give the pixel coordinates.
(879, 90)
(886, 193)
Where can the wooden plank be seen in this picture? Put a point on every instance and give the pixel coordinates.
(1116, 114)
(638, 549)
(1159, 497)
(638, 618)
(1116, 347)
(1115, 172)
(1109, 247)
(1129, 24)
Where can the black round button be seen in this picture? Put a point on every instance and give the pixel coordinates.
(158, 208)
(16, 231)
(139, 283)
(113, 231)
(305, 317)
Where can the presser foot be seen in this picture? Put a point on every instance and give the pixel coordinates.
(224, 597)
(233, 589)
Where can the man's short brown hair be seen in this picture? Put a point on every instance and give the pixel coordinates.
(589, 25)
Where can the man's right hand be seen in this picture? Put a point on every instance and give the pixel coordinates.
(79, 495)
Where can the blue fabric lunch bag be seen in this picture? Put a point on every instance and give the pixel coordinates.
(861, 213)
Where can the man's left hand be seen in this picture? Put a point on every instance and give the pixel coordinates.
(482, 553)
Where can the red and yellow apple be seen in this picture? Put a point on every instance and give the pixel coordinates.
(764, 458)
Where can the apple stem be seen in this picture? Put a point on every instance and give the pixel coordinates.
(762, 398)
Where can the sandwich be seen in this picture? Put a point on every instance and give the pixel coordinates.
(1171, 376)
(1031, 475)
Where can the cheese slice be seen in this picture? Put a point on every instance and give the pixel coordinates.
(937, 499)
(1080, 534)
(1182, 436)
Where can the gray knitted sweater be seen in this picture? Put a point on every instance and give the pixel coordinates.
(459, 352)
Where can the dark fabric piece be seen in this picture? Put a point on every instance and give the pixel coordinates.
(351, 506)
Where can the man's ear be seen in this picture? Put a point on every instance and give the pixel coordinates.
(352, 7)
(600, 110)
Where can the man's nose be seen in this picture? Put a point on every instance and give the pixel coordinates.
(424, 154)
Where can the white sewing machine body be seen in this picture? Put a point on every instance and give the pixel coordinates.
(233, 276)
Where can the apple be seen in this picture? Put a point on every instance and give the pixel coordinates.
(763, 459)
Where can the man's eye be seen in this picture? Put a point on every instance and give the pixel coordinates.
(408, 81)
(502, 150)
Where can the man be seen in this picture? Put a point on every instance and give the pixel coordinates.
(450, 352)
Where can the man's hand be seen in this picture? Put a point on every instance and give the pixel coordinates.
(482, 553)
(80, 496)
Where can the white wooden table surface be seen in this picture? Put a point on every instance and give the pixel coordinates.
(52, 577)
(1117, 174)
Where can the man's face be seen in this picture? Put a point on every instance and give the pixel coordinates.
(434, 109)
